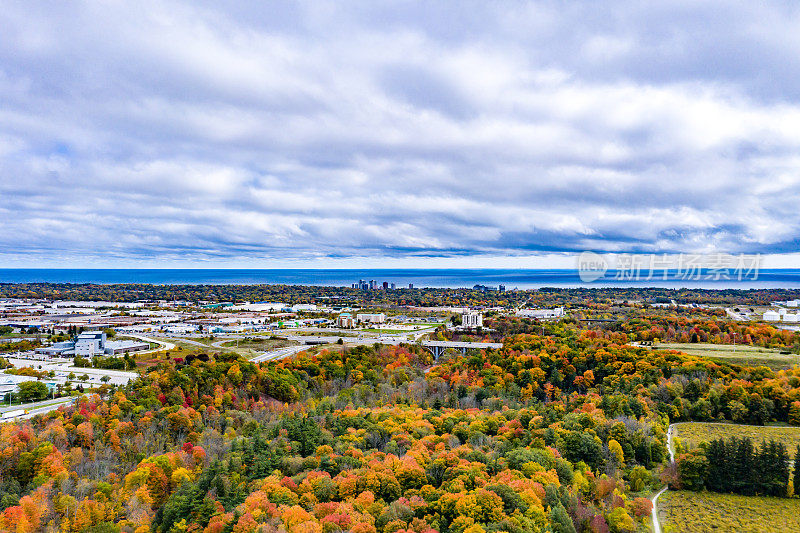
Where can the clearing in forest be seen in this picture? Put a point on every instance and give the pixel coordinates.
(685, 511)
(738, 355)
(692, 434)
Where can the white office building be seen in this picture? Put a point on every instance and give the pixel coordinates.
(471, 319)
(371, 318)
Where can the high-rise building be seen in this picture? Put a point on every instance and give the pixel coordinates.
(410, 285)
(393, 286)
(385, 285)
(502, 288)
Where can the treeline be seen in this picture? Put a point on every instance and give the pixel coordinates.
(23, 345)
(738, 466)
(664, 295)
(131, 292)
(708, 330)
(128, 292)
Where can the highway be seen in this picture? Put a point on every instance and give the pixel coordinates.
(330, 339)
(162, 345)
(734, 315)
(280, 353)
(36, 408)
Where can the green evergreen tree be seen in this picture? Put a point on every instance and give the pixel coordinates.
(743, 474)
(782, 471)
(717, 464)
(560, 521)
(796, 478)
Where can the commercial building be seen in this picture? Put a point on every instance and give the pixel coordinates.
(58, 349)
(345, 320)
(90, 343)
(179, 329)
(371, 318)
(123, 347)
(261, 307)
(558, 312)
(10, 383)
(781, 315)
(471, 319)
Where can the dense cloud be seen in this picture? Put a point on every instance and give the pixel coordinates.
(164, 131)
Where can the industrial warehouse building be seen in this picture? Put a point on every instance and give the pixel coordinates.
(90, 344)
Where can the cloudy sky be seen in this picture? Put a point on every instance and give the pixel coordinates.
(400, 134)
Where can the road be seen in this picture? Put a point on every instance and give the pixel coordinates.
(280, 353)
(63, 368)
(734, 315)
(187, 341)
(331, 339)
(37, 408)
(324, 336)
(162, 345)
(56, 402)
(656, 524)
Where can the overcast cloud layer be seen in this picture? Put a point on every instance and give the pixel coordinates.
(170, 131)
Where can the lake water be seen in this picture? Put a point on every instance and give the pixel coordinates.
(511, 278)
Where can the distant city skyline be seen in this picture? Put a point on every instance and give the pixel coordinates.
(396, 135)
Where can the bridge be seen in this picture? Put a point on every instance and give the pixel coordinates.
(280, 353)
(437, 348)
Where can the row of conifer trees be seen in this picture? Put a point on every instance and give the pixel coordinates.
(740, 467)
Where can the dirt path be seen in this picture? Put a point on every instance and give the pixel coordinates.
(656, 524)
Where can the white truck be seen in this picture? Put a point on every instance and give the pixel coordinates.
(7, 415)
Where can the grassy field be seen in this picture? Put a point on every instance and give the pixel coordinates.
(388, 331)
(685, 511)
(258, 344)
(743, 355)
(693, 433)
(332, 333)
(189, 344)
(153, 358)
